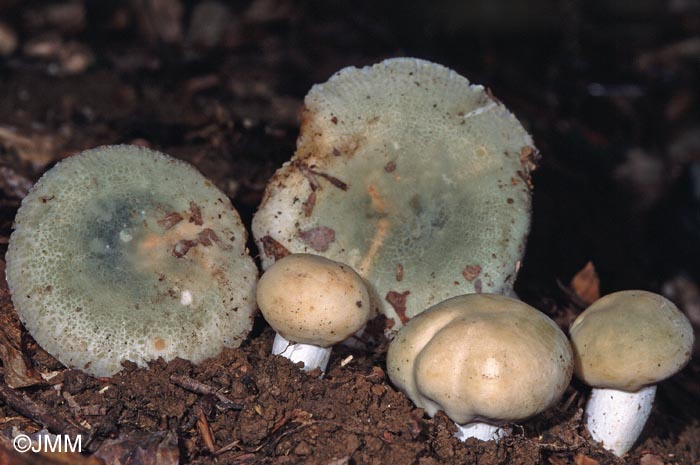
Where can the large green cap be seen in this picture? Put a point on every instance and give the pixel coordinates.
(123, 253)
(411, 175)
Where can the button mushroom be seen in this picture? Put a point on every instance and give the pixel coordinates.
(624, 344)
(485, 360)
(313, 303)
(415, 178)
(123, 253)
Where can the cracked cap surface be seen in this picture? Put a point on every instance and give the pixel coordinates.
(410, 175)
(123, 253)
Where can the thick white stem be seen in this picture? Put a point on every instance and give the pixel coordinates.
(616, 418)
(481, 431)
(312, 356)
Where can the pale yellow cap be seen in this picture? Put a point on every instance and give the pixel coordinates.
(313, 300)
(481, 357)
(630, 339)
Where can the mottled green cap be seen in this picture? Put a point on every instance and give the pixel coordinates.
(630, 339)
(124, 253)
(412, 176)
(481, 357)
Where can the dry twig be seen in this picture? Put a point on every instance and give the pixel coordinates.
(198, 387)
(36, 412)
(205, 431)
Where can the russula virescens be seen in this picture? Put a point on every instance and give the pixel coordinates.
(624, 344)
(415, 178)
(313, 303)
(123, 253)
(483, 359)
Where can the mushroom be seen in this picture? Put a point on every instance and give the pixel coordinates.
(123, 253)
(483, 359)
(415, 178)
(312, 303)
(624, 344)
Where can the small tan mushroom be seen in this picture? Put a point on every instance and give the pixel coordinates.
(313, 303)
(484, 359)
(624, 344)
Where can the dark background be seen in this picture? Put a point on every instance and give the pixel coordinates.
(608, 89)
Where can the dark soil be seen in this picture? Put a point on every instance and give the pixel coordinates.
(610, 93)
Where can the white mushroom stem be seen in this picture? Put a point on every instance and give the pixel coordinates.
(616, 418)
(480, 431)
(312, 356)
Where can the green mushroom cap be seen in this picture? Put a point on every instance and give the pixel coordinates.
(123, 253)
(410, 175)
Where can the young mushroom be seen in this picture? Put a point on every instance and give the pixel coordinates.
(624, 344)
(415, 178)
(312, 303)
(483, 359)
(123, 253)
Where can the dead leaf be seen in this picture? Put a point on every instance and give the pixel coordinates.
(141, 448)
(471, 272)
(582, 459)
(205, 431)
(8, 456)
(18, 371)
(273, 248)
(651, 459)
(318, 238)
(398, 301)
(37, 149)
(92, 410)
(9, 322)
(308, 206)
(586, 284)
(14, 184)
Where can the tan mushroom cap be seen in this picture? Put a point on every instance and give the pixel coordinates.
(481, 357)
(313, 300)
(630, 339)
